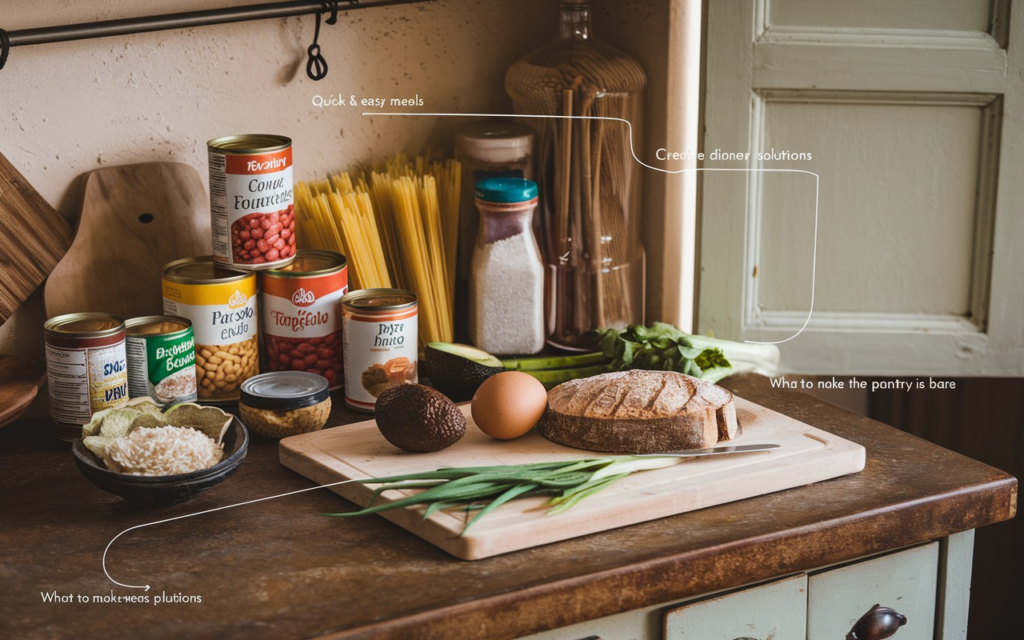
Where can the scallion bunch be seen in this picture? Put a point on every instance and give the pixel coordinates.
(483, 489)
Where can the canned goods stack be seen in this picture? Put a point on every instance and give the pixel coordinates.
(212, 337)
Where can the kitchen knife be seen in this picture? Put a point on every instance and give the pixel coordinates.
(714, 451)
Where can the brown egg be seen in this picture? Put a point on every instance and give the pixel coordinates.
(509, 404)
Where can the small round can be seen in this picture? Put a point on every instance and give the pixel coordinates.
(252, 208)
(86, 368)
(380, 338)
(161, 359)
(301, 307)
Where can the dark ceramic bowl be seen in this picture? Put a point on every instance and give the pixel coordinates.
(164, 490)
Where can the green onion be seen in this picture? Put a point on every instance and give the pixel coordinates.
(484, 489)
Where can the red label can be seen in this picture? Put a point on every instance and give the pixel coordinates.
(302, 325)
(252, 201)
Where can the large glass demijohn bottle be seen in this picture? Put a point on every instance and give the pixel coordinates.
(590, 181)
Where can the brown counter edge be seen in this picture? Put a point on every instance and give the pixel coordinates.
(687, 575)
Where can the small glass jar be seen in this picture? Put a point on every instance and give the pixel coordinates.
(488, 149)
(506, 287)
(284, 403)
(497, 148)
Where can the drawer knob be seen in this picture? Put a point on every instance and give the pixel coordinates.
(878, 623)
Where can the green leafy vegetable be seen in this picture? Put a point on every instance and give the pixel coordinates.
(663, 347)
(484, 489)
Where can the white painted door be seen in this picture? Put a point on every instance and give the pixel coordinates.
(911, 115)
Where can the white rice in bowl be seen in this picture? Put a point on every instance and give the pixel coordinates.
(163, 451)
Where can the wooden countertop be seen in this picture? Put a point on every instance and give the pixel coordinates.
(278, 569)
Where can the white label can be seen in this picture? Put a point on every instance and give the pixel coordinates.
(380, 343)
(86, 367)
(252, 208)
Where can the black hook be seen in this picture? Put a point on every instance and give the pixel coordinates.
(5, 47)
(316, 66)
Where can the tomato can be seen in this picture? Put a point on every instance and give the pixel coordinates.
(380, 337)
(86, 368)
(252, 201)
(161, 359)
(301, 306)
(222, 307)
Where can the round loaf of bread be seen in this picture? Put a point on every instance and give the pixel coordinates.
(639, 412)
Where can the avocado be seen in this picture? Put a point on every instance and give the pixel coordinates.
(417, 418)
(458, 370)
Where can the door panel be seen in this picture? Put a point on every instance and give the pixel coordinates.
(936, 199)
(907, 132)
(879, 14)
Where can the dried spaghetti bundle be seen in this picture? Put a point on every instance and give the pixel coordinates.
(397, 222)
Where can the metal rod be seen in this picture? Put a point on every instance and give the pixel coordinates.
(145, 24)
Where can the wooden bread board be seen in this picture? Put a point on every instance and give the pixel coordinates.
(358, 451)
(135, 219)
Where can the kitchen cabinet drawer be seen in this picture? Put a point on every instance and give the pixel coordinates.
(821, 606)
(905, 581)
(774, 610)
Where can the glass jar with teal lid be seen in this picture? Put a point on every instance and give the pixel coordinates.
(506, 287)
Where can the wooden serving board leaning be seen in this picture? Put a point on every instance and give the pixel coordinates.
(135, 219)
(35, 237)
(806, 455)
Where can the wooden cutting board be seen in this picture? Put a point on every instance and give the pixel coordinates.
(806, 455)
(34, 238)
(135, 219)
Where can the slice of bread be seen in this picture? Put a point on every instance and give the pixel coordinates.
(725, 409)
(639, 412)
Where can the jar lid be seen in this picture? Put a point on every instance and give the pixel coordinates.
(506, 190)
(284, 390)
(495, 140)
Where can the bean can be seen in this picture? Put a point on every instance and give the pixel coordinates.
(223, 309)
(380, 337)
(86, 368)
(252, 201)
(301, 306)
(161, 359)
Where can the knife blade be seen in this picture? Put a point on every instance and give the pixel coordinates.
(714, 451)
